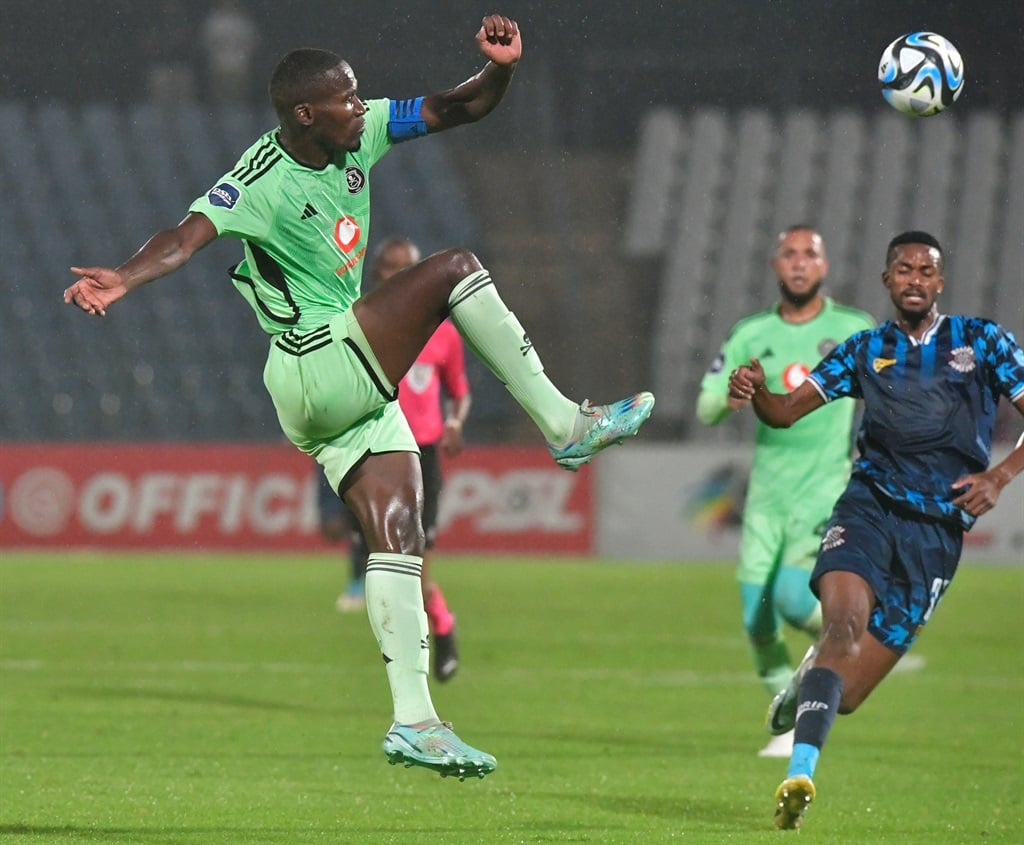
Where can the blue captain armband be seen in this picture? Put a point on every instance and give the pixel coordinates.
(404, 121)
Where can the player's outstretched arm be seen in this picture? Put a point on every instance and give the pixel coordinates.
(99, 287)
(778, 410)
(714, 405)
(499, 40)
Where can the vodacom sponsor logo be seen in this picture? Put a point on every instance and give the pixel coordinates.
(346, 233)
(794, 375)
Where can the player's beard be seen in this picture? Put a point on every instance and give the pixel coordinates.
(799, 300)
(918, 315)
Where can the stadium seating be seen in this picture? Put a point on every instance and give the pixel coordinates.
(707, 192)
(713, 187)
(182, 359)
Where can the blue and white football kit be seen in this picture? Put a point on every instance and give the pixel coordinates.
(929, 413)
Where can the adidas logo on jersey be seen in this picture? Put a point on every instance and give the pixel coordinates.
(308, 212)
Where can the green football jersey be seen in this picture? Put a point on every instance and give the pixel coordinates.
(812, 457)
(304, 230)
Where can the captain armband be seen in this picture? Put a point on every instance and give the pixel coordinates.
(404, 120)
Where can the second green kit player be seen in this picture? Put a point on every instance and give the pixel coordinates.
(799, 472)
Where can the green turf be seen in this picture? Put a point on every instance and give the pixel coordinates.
(169, 699)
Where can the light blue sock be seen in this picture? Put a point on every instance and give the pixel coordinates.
(817, 706)
(803, 760)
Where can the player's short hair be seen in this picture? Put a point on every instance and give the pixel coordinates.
(298, 75)
(913, 237)
(799, 227)
(391, 241)
(388, 244)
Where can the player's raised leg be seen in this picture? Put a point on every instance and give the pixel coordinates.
(575, 433)
(399, 316)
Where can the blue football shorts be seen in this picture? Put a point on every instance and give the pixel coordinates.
(908, 560)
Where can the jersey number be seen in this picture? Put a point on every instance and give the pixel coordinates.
(938, 588)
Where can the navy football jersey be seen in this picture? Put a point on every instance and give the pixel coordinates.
(929, 405)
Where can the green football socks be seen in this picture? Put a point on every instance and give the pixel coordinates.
(772, 663)
(394, 603)
(496, 337)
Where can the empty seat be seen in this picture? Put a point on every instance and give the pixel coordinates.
(841, 191)
(968, 272)
(655, 182)
(740, 269)
(686, 269)
(1007, 301)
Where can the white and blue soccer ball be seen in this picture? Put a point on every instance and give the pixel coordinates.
(921, 74)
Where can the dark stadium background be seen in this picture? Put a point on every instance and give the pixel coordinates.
(558, 159)
(606, 61)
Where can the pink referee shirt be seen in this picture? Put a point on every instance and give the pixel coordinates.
(441, 364)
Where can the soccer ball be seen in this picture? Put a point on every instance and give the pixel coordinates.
(921, 74)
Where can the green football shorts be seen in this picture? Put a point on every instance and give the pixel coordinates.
(785, 529)
(773, 539)
(332, 399)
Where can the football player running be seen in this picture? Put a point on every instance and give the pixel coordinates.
(931, 384)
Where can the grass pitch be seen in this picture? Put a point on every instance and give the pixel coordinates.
(221, 699)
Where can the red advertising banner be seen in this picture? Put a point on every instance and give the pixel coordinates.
(514, 499)
(264, 497)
